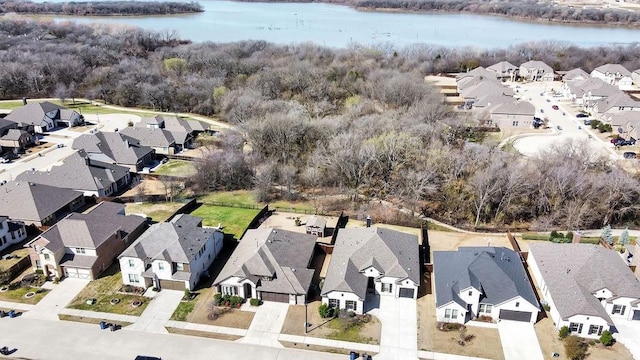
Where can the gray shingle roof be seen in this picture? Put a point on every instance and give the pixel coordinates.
(394, 253)
(91, 229)
(29, 201)
(317, 221)
(502, 68)
(515, 108)
(6, 124)
(152, 137)
(613, 69)
(576, 74)
(620, 99)
(176, 241)
(112, 147)
(14, 134)
(268, 252)
(495, 271)
(573, 272)
(595, 86)
(78, 172)
(34, 113)
(539, 65)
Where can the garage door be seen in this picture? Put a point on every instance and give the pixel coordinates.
(515, 315)
(636, 315)
(406, 292)
(172, 285)
(267, 296)
(77, 273)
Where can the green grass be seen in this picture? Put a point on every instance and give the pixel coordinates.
(590, 240)
(183, 310)
(17, 295)
(178, 168)
(233, 220)
(246, 198)
(103, 290)
(534, 236)
(350, 334)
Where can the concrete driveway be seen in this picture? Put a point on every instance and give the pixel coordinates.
(57, 299)
(627, 335)
(519, 341)
(266, 325)
(399, 335)
(158, 312)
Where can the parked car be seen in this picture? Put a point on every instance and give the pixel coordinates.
(624, 142)
(548, 100)
(4, 160)
(629, 155)
(587, 121)
(582, 115)
(555, 107)
(616, 139)
(559, 127)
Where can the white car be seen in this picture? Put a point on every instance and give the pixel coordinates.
(4, 160)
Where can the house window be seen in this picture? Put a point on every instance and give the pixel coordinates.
(160, 266)
(485, 308)
(619, 309)
(351, 305)
(81, 251)
(132, 263)
(334, 303)
(387, 287)
(470, 293)
(451, 314)
(595, 329)
(575, 327)
(38, 264)
(179, 266)
(517, 304)
(514, 123)
(46, 256)
(134, 278)
(229, 290)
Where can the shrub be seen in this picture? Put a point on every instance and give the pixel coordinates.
(235, 301)
(564, 332)
(255, 302)
(592, 343)
(594, 124)
(569, 236)
(56, 280)
(554, 235)
(325, 311)
(607, 338)
(575, 348)
(217, 299)
(546, 307)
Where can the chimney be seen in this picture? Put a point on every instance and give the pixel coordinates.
(24, 101)
(368, 221)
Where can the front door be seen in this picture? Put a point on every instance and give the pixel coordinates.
(247, 291)
(371, 287)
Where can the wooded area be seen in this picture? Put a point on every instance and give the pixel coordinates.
(100, 8)
(360, 120)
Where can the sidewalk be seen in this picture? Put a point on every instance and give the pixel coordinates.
(206, 328)
(15, 306)
(99, 315)
(330, 343)
(158, 312)
(266, 325)
(58, 297)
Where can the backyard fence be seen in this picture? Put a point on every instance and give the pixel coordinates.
(188, 207)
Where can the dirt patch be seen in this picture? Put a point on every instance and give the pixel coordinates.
(157, 211)
(205, 334)
(146, 187)
(485, 342)
(234, 318)
(319, 327)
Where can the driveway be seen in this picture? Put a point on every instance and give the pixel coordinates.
(627, 335)
(57, 299)
(519, 340)
(158, 312)
(399, 335)
(266, 325)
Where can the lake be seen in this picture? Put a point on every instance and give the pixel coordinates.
(338, 26)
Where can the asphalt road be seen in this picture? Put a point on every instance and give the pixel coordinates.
(53, 340)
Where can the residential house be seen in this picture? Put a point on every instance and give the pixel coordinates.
(635, 77)
(84, 245)
(5, 126)
(37, 204)
(16, 140)
(271, 265)
(371, 261)
(491, 100)
(44, 116)
(614, 74)
(585, 286)
(504, 70)
(620, 102)
(171, 255)
(115, 148)
(628, 122)
(512, 114)
(482, 89)
(183, 131)
(11, 232)
(482, 281)
(159, 140)
(536, 71)
(316, 225)
(586, 92)
(633, 258)
(79, 172)
(575, 75)
(478, 72)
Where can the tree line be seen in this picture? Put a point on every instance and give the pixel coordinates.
(100, 8)
(311, 121)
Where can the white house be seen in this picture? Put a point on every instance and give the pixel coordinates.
(482, 281)
(504, 70)
(536, 71)
(513, 115)
(11, 232)
(585, 286)
(576, 74)
(172, 255)
(271, 265)
(614, 74)
(371, 261)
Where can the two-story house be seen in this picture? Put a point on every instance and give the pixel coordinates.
(115, 148)
(11, 232)
(482, 281)
(172, 255)
(44, 116)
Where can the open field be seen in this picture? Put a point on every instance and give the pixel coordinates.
(177, 168)
(233, 220)
(156, 211)
(104, 289)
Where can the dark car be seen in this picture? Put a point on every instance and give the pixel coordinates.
(629, 155)
(587, 122)
(555, 107)
(616, 140)
(581, 115)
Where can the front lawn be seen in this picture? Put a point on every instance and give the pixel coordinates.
(183, 310)
(233, 220)
(17, 294)
(104, 290)
(177, 168)
(158, 212)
